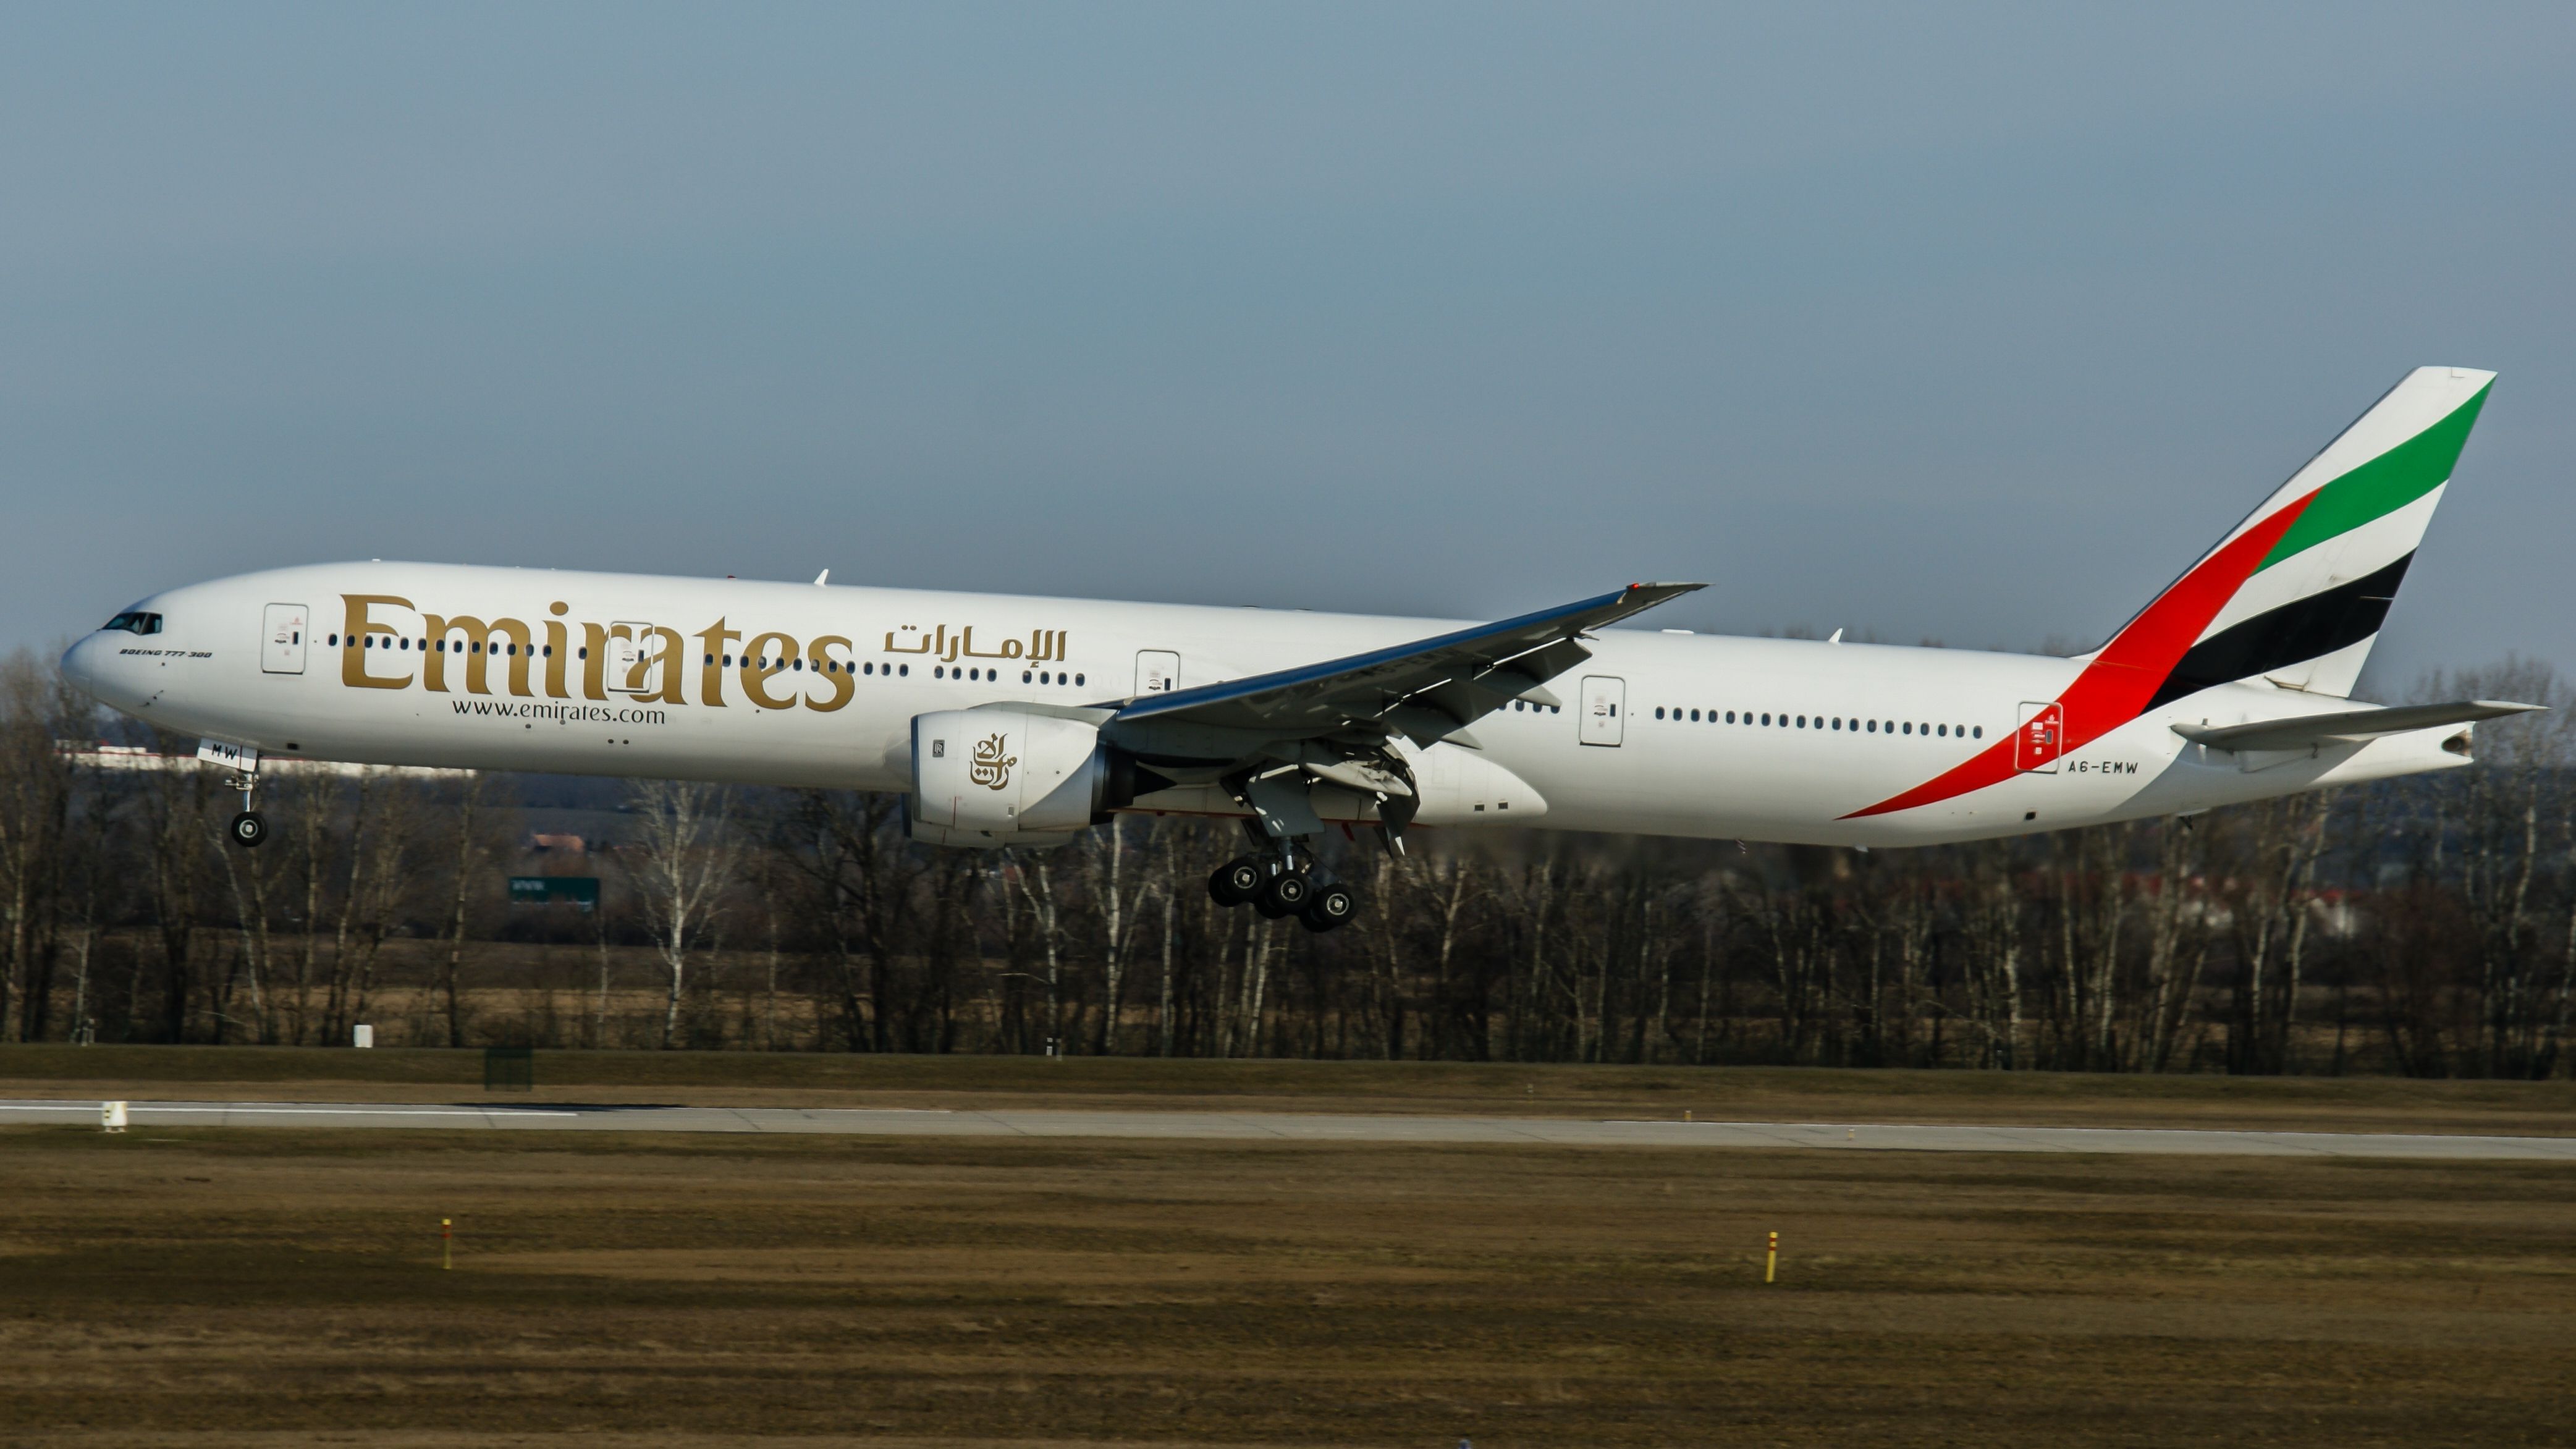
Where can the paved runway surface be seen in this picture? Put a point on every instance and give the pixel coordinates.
(1291, 1127)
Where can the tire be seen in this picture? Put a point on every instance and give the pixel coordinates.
(1286, 895)
(1236, 882)
(1332, 906)
(248, 829)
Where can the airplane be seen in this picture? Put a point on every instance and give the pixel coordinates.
(1021, 722)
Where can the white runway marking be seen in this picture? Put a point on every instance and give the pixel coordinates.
(1299, 1127)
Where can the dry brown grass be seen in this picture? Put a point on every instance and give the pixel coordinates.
(282, 1288)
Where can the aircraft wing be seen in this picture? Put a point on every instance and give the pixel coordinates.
(1428, 690)
(2350, 727)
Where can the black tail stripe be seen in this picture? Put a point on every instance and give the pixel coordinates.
(2294, 633)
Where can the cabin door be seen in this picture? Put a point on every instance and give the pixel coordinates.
(2041, 738)
(281, 640)
(1605, 697)
(633, 663)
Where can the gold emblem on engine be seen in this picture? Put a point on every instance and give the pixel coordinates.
(992, 767)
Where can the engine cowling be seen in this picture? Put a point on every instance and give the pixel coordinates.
(994, 777)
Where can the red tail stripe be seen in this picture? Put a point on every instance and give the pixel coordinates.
(2129, 670)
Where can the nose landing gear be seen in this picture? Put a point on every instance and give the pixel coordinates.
(248, 828)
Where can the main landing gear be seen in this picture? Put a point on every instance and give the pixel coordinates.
(1277, 885)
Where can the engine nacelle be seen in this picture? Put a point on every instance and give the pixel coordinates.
(995, 777)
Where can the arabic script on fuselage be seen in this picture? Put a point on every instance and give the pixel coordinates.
(1043, 646)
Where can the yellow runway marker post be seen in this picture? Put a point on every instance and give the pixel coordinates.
(447, 1251)
(1771, 1260)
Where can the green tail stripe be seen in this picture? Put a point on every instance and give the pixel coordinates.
(2383, 485)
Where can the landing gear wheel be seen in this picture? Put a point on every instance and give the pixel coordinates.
(1286, 895)
(1332, 905)
(249, 829)
(1236, 882)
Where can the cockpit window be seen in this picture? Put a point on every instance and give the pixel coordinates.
(136, 623)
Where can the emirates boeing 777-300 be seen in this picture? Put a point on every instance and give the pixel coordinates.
(1010, 721)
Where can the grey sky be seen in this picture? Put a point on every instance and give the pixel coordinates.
(1975, 324)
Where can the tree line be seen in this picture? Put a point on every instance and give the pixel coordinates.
(2423, 926)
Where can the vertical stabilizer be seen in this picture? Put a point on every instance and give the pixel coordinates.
(2296, 594)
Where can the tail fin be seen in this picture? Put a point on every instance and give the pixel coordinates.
(2295, 594)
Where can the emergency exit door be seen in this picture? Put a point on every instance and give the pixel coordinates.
(281, 645)
(1158, 671)
(1605, 698)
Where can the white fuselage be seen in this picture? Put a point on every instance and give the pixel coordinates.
(798, 685)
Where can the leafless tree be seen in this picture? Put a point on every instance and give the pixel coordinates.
(687, 855)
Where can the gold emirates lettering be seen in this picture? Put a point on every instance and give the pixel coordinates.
(644, 661)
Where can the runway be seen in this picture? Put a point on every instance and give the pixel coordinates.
(1294, 1127)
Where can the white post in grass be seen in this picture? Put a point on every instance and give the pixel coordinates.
(362, 1035)
(111, 1116)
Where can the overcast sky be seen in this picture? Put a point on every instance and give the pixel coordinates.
(1972, 324)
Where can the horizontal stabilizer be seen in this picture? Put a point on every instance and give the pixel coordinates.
(2346, 727)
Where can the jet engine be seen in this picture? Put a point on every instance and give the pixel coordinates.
(987, 778)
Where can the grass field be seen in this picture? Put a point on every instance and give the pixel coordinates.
(281, 1288)
(1741, 1093)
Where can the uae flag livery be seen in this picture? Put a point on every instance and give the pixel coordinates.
(2294, 595)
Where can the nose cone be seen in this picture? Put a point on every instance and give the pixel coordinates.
(101, 672)
(81, 664)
